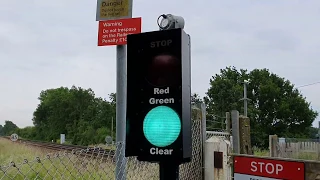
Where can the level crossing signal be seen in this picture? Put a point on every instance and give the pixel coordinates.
(159, 96)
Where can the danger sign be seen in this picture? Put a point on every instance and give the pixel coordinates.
(268, 168)
(114, 32)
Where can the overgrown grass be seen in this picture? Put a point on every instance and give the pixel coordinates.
(260, 152)
(19, 162)
(296, 155)
(306, 156)
(109, 147)
(11, 152)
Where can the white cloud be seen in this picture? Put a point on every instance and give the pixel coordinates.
(51, 44)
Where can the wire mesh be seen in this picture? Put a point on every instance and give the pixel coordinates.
(98, 163)
(193, 170)
(75, 164)
(222, 134)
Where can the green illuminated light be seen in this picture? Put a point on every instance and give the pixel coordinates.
(161, 126)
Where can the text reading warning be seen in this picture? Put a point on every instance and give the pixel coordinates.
(114, 32)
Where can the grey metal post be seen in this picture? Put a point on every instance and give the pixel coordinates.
(112, 128)
(245, 99)
(204, 131)
(121, 112)
(223, 122)
(319, 130)
(228, 122)
(319, 140)
(203, 122)
(235, 131)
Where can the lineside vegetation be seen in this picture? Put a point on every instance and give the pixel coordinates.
(19, 162)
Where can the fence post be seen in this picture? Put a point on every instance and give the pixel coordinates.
(223, 122)
(204, 133)
(245, 137)
(203, 122)
(273, 140)
(235, 131)
(318, 141)
(228, 122)
(318, 149)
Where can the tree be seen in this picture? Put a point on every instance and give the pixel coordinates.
(276, 106)
(1, 131)
(75, 112)
(312, 133)
(9, 128)
(112, 97)
(196, 99)
(27, 132)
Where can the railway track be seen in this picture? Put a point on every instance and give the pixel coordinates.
(98, 151)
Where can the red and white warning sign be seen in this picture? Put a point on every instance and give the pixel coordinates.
(114, 32)
(248, 168)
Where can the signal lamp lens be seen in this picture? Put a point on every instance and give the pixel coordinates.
(164, 71)
(161, 126)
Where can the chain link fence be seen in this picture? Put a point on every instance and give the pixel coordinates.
(221, 133)
(218, 127)
(76, 164)
(100, 163)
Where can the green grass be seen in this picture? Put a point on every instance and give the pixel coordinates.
(103, 146)
(260, 152)
(11, 152)
(298, 155)
(306, 156)
(64, 166)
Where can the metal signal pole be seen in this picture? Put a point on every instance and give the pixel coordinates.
(245, 99)
(121, 110)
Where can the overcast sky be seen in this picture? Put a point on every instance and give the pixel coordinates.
(48, 44)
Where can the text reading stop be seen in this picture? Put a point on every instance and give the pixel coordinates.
(266, 167)
(155, 44)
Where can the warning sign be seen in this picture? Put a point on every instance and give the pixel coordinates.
(113, 9)
(267, 169)
(114, 32)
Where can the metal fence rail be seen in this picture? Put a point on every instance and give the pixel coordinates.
(78, 164)
(222, 134)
